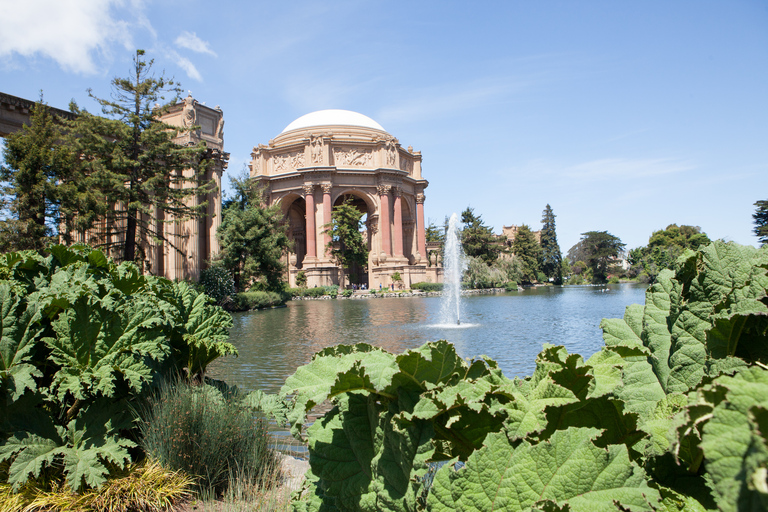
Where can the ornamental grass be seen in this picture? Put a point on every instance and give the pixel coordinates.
(222, 443)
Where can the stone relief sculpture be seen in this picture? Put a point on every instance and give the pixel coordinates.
(354, 156)
(406, 164)
(220, 128)
(391, 152)
(316, 149)
(288, 161)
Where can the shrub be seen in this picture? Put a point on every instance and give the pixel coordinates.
(613, 279)
(207, 434)
(217, 283)
(301, 279)
(510, 286)
(347, 293)
(427, 287)
(247, 301)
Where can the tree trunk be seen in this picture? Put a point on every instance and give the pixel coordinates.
(130, 236)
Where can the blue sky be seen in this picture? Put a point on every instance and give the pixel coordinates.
(623, 116)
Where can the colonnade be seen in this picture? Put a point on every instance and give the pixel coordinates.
(390, 217)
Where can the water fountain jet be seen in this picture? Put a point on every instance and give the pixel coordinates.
(453, 267)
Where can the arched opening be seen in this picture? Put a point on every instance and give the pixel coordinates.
(356, 273)
(294, 208)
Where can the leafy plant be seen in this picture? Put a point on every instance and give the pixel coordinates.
(82, 340)
(671, 414)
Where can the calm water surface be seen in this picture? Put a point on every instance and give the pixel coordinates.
(509, 328)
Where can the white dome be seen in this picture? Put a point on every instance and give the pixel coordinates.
(333, 117)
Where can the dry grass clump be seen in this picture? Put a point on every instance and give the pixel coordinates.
(146, 487)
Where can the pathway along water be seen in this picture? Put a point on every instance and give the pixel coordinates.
(509, 328)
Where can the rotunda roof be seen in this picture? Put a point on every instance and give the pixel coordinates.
(333, 117)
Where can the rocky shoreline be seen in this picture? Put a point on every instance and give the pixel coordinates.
(366, 294)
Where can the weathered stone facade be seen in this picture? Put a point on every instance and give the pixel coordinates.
(323, 158)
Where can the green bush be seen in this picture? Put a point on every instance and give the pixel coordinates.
(613, 279)
(247, 301)
(510, 286)
(83, 340)
(427, 287)
(217, 283)
(216, 438)
(347, 293)
(301, 279)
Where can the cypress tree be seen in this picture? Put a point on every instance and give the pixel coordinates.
(551, 258)
(528, 251)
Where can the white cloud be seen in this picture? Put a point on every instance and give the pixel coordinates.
(75, 33)
(190, 41)
(189, 68)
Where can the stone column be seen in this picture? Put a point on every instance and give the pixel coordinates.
(398, 234)
(421, 238)
(309, 198)
(326, 216)
(386, 246)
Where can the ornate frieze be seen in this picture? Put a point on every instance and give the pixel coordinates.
(354, 157)
(316, 149)
(420, 198)
(406, 164)
(288, 161)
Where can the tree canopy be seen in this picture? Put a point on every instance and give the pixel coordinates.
(528, 251)
(347, 245)
(144, 179)
(663, 249)
(253, 237)
(40, 194)
(598, 249)
(761, 221)
(551, 259)
(477, 239)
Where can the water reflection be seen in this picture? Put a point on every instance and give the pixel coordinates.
(509, 328)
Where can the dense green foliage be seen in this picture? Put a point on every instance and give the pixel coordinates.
(477, 239)
(663, 249)
(551, 258)
(134, 165)
(346, 244)
(217, 283)
(253, 237)
(528, 252)
(761, 221)
(83, 340)
(257, 299)
(427, 287)
(40, 192)
(317, 291)
(599, 250)
(671, 414)
(208, 434)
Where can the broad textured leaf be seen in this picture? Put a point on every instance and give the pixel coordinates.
(19, 331)
(32, 454)
(566, 470)
(733, 444)
(366, 461)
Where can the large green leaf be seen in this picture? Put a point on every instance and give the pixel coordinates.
(568, 470)
(19, 329)
(96, 346)
(364, 459)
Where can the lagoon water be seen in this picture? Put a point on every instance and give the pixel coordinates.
(509, 327)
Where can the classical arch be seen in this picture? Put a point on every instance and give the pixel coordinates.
(324, 156)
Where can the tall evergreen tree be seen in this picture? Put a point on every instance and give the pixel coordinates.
(347, 245)
(551, 258)
(477, 239)
(135, 165)
(253, 237)
(35, 162)
(528, 251)
(761, 221)
(598, 249)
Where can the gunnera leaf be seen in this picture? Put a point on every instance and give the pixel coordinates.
(566, 471)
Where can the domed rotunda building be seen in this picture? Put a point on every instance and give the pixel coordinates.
(326, 157)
